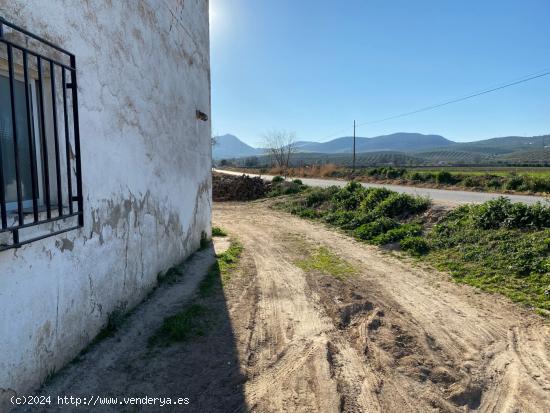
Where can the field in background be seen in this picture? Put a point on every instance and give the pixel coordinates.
(493, 170)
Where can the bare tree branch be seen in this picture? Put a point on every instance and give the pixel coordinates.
(280, 145)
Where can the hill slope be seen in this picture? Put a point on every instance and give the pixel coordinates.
(395, 142)
(403, 149)
(229, 146)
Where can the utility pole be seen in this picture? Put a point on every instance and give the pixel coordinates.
(353, 169)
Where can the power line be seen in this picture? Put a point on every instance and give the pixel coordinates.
(523, 79)
(484, 92)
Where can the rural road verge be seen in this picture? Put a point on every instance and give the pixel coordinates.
(444, 196)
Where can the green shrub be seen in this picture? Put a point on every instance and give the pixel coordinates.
(339, 217)
(414, 245)
(514, 183)
(416, 176)
(494, 182)
(285, 188)
(372, 229)
(397, 234)
(398, 204)
(318, 196)
(502, 213)
(349, 197)
(359, 218)
(471, 182)
(297, 181)
(373, 197)
(307, 213)
(444, 177)
(539, 184)
(387, 172)
(277, 178)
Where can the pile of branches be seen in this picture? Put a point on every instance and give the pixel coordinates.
(238, 188)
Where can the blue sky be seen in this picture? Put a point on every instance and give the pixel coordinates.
(313, 66)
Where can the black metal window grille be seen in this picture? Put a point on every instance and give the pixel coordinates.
(40, 165)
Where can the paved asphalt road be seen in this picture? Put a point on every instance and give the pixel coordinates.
(437, 195)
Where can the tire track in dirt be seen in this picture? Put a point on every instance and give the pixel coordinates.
(288, 364)
(395, 338)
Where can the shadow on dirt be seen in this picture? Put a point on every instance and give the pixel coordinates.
(195, 372)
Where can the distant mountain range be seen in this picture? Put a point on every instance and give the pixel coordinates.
(404, 147)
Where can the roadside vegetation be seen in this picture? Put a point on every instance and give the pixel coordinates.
(529, 182)
(200, 315)
(497, 246)
(280, 186)
(497, 179)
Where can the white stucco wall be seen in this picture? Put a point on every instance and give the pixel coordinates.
(143, 70)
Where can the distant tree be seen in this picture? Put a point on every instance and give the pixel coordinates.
(224, 162)
(280, 145)
(251, 161)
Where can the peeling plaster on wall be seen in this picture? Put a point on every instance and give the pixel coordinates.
(143, 70)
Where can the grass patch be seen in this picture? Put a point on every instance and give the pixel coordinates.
(218, 232)
(221, 270)
(323, 260)
(197, 318)
(193, 321)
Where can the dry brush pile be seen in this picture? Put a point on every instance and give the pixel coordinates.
(238, 188)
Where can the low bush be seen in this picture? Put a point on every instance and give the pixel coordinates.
(318, 196)
(373, 197)
(398, 204)
(359, 218)
(420, 176)
(494, 182)
(514, 183)
(444, 177)
(349, 197)
(387, 172)
(307, 213)
(471, 182)
(414, 245)
(277, 178)
(379, 226)
(284, 188)
(297, 181)
(339, 217)
(502, 213)
(398, 233)
(539, 184)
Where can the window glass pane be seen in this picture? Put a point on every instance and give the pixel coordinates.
(6, 140)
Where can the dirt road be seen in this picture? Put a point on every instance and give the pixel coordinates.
(393, 337)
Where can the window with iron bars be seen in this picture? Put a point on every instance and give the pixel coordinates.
(40, 166)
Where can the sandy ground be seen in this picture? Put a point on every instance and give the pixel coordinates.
(396, 337)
